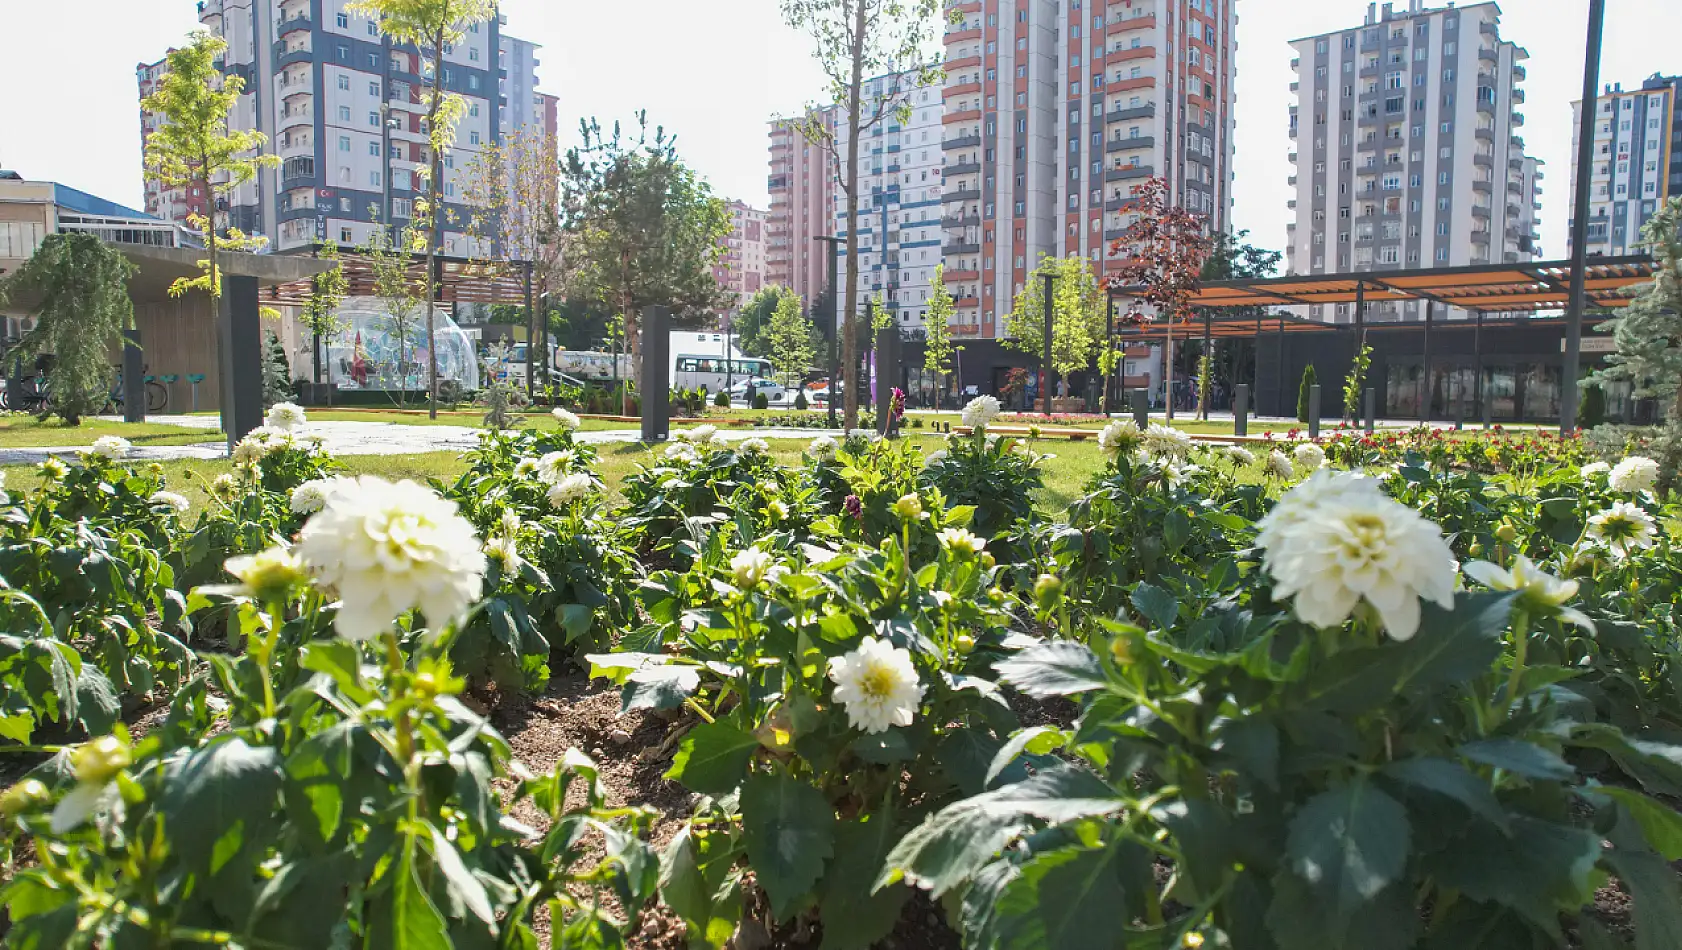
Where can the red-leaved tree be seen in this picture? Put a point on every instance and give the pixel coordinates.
(1162, 256)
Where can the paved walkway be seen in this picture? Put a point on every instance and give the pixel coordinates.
(370, 438)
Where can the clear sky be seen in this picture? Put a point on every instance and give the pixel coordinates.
(714, 71)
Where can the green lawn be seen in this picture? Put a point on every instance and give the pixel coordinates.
(20, 432)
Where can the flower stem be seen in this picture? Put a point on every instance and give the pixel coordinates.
(1521, 648)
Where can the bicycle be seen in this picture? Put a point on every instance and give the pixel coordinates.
(157, 396)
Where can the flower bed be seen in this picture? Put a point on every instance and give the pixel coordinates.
(1391, 692)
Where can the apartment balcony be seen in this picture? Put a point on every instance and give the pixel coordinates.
(1518, 119)
(1129, 173)
(960, 276)
(1482, 211)
(299, 112)
(1515, 188)
(1484, 135)
(1483, 161)
(951, 250)
(1127, 53)
(284, 57)
(961, 141)
(967, 62)
(1125, 85)
(1114, 234)
(1513, 211)
(1137, 112)
(1516, 163)
(294, 85)
(1519, 73)
(296, 24)
(1120, 203)
(1518, 95)
(1488, 55)
(298, 145)
(1487, 108)
(961, 89)
(962, 35)
(1373, 70)
(1487, 28)
(962, 168)
(1131, 142)
(964, 194)
(1480, 237)
(956, 117)
(1483, 187)
(960, 221)
(1130, 24)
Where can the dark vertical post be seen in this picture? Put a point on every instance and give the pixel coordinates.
(1279, 369)
(834, 245)
(1045, 381)
(887, 376)
(134, 382)
(656, 374)
(1205, 365)
(239, 331)
(1425, 385)
(1360, 335)
(1314, 411)
(1477, 364)
(1141, 407)
(1369, 399)
(531, 336)
(729, 363)
(1580, 222)
(1241, 409)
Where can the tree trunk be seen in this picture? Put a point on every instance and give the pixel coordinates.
(435, 226)
(849, 342)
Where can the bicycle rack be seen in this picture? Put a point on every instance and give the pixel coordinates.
(169, 381)
(195, 379)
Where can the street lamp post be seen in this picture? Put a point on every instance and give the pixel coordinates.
(1045, 378)
(729, 364)
(1580, 222)
(835, 244)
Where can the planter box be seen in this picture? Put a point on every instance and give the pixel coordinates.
(317, 394)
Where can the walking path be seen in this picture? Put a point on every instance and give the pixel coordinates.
(370, 438)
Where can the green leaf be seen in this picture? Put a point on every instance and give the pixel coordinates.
(854, 917)
(414, 922)
(462, 883)
(883, 748)
(1254, 745)
(1453, 780)
(713, 758)
(97, 704)
(576, 619)
(1348, 844)
(1539, 870)
(1660, 824)
(1453, 646)
(659, 687)
(1520, 758)
(953, 844)
(1652, 885)
(1298, 919)
(1035, 740)
(789, 830)
(1156, 604)
(1056, 668)
(699, 880)
(225, 790)
(1065, 899)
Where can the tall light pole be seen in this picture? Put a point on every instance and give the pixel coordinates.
(1045, 380)
(835, 244)
(1580, 222)
(729, 364)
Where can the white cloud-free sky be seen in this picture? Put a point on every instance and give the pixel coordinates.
(714, 71)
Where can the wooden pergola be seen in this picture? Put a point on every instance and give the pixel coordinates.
(457, 280)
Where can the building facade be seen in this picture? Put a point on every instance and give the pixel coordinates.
(1406, 149)
(1637, 161)
(802, 187)
(1054, 113)
(741, 268)
(344, 108)
(899, 205)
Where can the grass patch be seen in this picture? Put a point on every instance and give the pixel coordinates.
(26, 432)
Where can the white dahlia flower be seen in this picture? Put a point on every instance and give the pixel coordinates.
(978, 412)
(681, 452)
(822, 448)
(169, 499)
(1622, 530)
(311, 496)
(700, 435)
(285, 416)
(1279, 465)
(1336, 541)
(110, 447)
(748, 568)
(877, 685)
(1540, 593)
(568, 421)
(525, 468)
(1596, 468)
(1120, 436)
(1634, 474)
(961, 542)
(389, 548)
(755, 444)
(1240, 455)
(570, 489)
(555, 466)
(1167, 442)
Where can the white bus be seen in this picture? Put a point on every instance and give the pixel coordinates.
(713, 372)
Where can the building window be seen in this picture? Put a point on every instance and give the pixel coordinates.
(373, 147)
(375, 179)
(374, 119)
(344, 113)
(344, 82)
(344, 143)
(343, 20)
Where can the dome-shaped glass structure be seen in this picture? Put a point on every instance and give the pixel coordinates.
(382, 346)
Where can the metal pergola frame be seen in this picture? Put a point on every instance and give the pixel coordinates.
(457, 279)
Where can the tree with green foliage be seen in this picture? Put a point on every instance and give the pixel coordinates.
(790, 336)
(431, 26)
(1355, 382)
(643, 228)
(77, 288)
(321, 311)
(1232, 257)
(1305, 404)
(751, 323)
(1593, 411)
(1077, 316)
(937, 333)
(856, 42)
(400, 301)
(1648, 334)
(193, 148)
(277, 372)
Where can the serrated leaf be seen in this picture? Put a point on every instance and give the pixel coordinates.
(1452, 780)
(226, 787)
(1652, 885)
(659, 687)
(1065, 899)
(789, 830)
(1537, 871)
(1520, 758)
(713, 758)
(1056, 668)
(854, 916)
(1660, 824)
(1453, 646)
(462, 883)
(1156, 604)
(1348, 844)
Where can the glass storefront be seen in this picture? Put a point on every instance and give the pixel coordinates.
(1514, 391)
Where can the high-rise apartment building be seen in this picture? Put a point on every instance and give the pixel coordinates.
(344, 108)
(741, 269)
(1406, 148)
(1637, 161)
(802, 187)
(899, 185)
(1055, 112)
